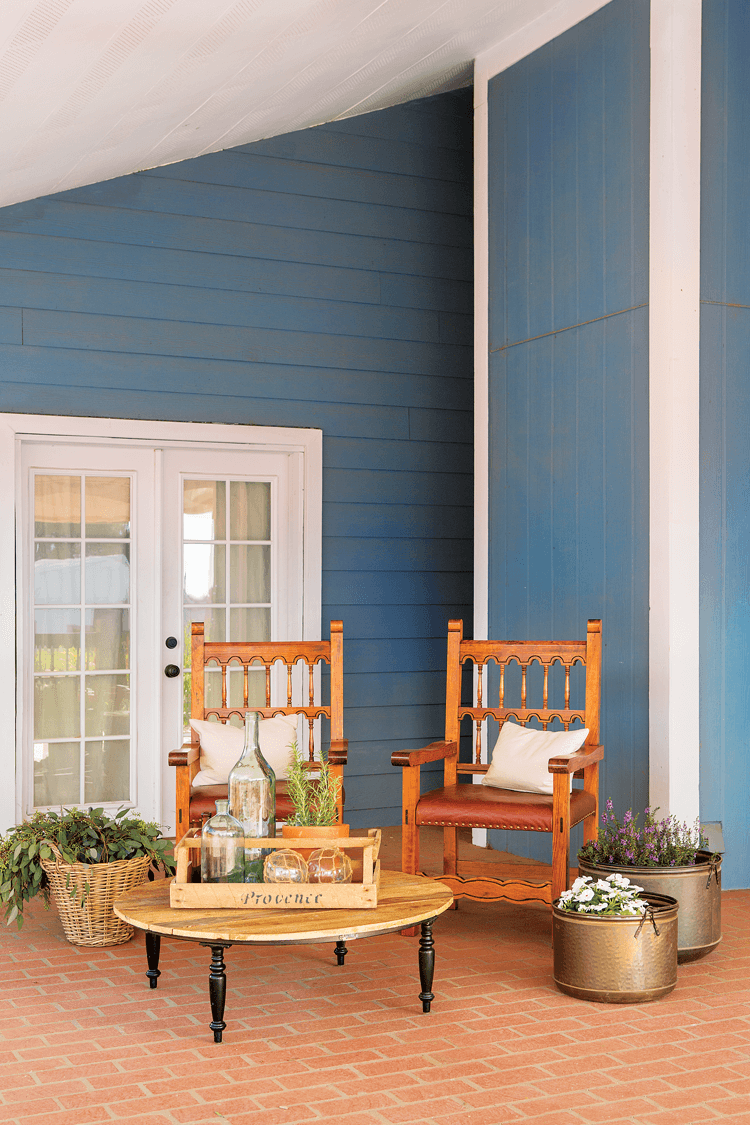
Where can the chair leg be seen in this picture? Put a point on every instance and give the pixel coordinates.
(560, 834)
(450, 851)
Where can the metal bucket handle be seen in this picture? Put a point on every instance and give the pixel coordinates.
(714, 870)
(647, 913)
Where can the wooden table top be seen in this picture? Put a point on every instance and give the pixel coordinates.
(403, 900)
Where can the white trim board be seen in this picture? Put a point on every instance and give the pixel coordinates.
(14, 428)
(674, 404)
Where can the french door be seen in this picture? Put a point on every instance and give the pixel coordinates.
(120, 546)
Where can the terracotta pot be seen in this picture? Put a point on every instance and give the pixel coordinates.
(330, 832)
(697, 889)
(616, 960)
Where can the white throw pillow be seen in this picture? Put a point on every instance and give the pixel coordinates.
(221, 746)
(521, 756)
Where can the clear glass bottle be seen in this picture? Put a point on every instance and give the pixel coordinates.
(222, 848)
(252, 797)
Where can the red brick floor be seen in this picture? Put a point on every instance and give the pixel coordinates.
(85, 1041)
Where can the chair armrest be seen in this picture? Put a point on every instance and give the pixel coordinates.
(338, 752)
(432, 753)
(188, 754)
(586, 756)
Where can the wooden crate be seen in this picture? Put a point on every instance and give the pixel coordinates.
(361, 893)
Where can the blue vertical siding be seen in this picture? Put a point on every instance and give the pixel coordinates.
(322, 278)
(725, 431)
(568, 152)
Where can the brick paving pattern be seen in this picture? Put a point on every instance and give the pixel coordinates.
(85, 1041)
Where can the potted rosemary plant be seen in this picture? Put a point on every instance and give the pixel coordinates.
(594, 925)
(84, 859)
(665, 857)
(316, 800)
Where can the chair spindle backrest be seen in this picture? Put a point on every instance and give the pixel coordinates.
(520, 656)
(249, 655)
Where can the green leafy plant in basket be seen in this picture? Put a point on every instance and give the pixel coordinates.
(88, 836)
(314, 793)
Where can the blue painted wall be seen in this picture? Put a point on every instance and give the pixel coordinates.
(725, 431)
(569, 136)
(322, 278)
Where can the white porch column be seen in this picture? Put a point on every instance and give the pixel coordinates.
(674, 280)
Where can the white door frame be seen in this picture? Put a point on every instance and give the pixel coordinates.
(16, 428)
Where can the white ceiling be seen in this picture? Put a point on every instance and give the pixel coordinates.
(92, 89)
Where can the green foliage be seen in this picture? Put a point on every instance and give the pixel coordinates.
(314, 799)
(659, 843)
(81, 836)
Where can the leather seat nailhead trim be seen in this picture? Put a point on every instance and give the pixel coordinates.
(482, 824)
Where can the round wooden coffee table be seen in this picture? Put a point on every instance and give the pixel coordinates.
(403, 901)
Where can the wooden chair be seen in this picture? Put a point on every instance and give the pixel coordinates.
(457, 805)
(194, 802)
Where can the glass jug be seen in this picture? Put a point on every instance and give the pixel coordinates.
(222, 848)
(252, 797)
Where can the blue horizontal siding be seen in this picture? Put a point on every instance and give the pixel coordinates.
(95, 222)
(265, 210)
(425, 456)
(725, 432)
(320, 279)
(242, 168)
(569, 366)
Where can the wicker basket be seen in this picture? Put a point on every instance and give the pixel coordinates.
(84, 893)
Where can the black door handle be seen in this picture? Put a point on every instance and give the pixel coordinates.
(171, 671)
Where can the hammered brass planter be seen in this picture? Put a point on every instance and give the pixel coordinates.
(697, 889)
(616, 960)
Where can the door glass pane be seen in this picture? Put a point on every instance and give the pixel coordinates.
(57, 640)
(204, 509)
(107, 639)
(56, 773)
(107, 573)
(57, 707)
(82, 624)
(107, 705)
(250, 625)
(57, 573)
(250, 573)
(250, 509)
(107, 771)
(205, 572)
(107, 507)
(231, 575)
(57, 507)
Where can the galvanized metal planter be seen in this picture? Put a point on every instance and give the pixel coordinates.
(697, 889)
(616, 960)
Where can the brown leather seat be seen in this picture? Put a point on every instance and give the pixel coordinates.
(480, 806)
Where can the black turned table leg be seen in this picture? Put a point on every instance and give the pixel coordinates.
(153, 945)
(341, 952)
(426, 964)
(217, 988)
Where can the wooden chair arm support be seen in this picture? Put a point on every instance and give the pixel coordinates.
(338, 752)
(188, 754)
(586, 756)
(432, 753)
